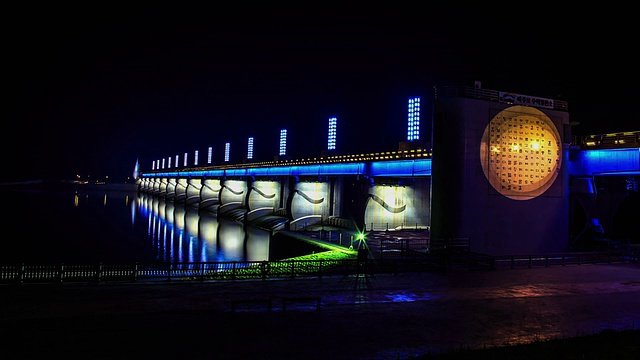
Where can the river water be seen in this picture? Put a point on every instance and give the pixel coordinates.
(84, 224)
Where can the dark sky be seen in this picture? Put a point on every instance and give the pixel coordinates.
(88, 90)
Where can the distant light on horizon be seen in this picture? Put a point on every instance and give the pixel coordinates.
(413, 128)
(331, 143)
(283, 142)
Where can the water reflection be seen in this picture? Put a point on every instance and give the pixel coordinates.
(86, 225)
(183, 234)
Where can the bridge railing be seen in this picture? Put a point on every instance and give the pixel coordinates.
(234, 270)
(561, 259)
(386, 226)
(629, 139)
(256, 270)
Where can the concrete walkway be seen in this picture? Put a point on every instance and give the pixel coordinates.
(355, 317)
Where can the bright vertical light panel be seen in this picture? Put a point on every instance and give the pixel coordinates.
(195, 158)
(250, 148)
(331, 144)
(153, 165)
(185, 160)
(283, 142)
(163, 163)
(169, 162)
(210, 155)
(177, 160)
(413, 128)
(227, 149)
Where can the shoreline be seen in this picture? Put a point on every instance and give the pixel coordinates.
(41, 184)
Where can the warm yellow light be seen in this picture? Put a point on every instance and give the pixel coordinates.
(533, 175)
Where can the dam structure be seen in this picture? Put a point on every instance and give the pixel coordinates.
(499, 169)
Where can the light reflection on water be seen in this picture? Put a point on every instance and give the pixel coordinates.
(183, 234)
(90, 224)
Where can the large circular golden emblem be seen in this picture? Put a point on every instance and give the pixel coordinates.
(520, 152)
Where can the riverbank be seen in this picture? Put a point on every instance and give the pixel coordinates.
(403, 316)
(48, 184)
(605, 345)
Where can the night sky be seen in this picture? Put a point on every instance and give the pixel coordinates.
(89, 90)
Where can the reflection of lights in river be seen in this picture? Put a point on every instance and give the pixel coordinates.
(185, 234)
(378, 297)
(402, 297)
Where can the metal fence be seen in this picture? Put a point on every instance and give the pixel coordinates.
(245, 270)
(236, 270)
(562, 259)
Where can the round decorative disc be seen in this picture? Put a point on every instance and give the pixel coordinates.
(520, 152)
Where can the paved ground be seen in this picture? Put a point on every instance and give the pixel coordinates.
(366, 317)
